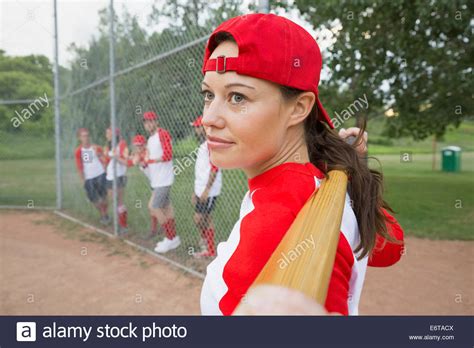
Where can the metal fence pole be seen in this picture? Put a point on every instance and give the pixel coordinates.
(263, 6)
(113, 125)
(57, 116)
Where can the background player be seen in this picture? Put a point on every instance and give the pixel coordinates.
(90, 166)
(140, 158)
(161, 176)
(119, 154)
(207, 186)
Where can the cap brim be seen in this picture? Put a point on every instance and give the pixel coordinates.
(323, 115)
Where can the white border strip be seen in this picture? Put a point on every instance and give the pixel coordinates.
(136, 246)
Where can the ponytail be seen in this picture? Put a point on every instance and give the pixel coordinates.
(328, 151)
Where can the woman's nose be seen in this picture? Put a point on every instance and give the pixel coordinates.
(213, 115)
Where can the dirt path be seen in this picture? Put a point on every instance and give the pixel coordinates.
(432, 278)
(51, 266)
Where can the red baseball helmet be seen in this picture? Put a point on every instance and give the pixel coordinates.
(139, 140)
(149, 116)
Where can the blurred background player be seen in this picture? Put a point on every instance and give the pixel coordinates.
(119, 154)
(90, 166)
(207, 186)
(140, 158)
(161, 176)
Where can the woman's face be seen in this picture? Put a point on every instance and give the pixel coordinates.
(245, 118)
(84, 137)
(150, 126)
(108, 134)
(139, 148)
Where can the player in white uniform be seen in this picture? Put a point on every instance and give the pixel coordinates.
(90, 166)
(207, 186)
(161, 176)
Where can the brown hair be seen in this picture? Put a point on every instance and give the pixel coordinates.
(328, 151)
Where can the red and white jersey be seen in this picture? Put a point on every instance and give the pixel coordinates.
(269, 208)
(88, 162)
(160, 148)
(203, 169)
(121, 168)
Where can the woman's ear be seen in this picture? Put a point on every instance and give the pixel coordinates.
(301, 107)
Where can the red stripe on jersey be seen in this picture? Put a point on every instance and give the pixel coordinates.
(78, 158)
(387, 253)
(122, 146)
(165, 139)
(338, 290)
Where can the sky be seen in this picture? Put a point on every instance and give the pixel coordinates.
(27, 27)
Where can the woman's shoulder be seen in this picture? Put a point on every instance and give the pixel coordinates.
(288, 176)
(287, 188)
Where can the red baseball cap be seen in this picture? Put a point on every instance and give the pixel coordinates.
(139, 140)
(197, 122)
(271, 48)
(149, 116)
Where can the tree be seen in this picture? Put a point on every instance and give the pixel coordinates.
(28, 77)
(410, 57)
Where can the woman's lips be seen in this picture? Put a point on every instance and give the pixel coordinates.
(215, 143)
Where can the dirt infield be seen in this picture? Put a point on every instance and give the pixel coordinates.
(52, 266)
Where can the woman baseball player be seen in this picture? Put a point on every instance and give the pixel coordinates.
(262, 113)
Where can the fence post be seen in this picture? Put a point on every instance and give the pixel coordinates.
(263, 6)
(57, 116)
(113, 120)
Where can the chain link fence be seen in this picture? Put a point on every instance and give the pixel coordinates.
(150, 61)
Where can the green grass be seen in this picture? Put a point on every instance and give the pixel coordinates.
(430, 204)
(27, 181)
(26, 146)
(378, 144)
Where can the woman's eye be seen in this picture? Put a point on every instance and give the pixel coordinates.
(237, 98)
(208, 96)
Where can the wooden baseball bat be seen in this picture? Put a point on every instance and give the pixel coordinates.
(309, 265)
